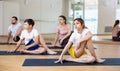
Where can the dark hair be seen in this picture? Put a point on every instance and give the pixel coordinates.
(81, 21)
(116, 23)
(62, 16)
(30, 21)
(15, 17)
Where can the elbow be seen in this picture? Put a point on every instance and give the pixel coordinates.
(90, 35)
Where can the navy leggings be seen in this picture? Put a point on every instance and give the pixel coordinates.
(32, 48)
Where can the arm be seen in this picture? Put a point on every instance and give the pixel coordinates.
(91, 49)
(9, 35)
(19, 31)
(68, 34)
(66, 48)
(86, 37)
(18, 45)
(115, 31)
(64, 51)
(56, 38)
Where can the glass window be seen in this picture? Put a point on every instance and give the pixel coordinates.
(91, 15)
(118, 10)
(86, 9)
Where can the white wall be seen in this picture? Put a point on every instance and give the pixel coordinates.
(11, 8)
(1, 17)
(7, 10)
(106, 14)
(44, 12)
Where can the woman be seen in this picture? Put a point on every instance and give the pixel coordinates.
(63, 32)
(77, 44)
(116, 31)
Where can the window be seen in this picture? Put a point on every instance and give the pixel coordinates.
(86, 9)
(118, 10)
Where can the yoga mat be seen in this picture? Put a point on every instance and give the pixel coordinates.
(50, 62)
(55, 47)
(18, 53)
(48, 43)
(109, 39)
(5, 43)
(58, 47)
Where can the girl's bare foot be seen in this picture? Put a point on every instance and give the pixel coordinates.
(51, 52)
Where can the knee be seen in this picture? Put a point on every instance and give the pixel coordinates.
(40, 36)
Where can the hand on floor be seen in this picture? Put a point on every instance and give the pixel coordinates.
(59, 60)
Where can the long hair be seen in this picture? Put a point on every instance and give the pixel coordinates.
(116, 23)
(62, 16)
(81, 21)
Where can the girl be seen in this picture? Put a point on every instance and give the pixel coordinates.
(116, 31)
(63, 31)
(32, 40)
(77, 43)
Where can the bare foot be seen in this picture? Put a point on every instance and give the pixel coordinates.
(51, 52)
(100, 60)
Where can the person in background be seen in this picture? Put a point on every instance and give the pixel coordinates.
(14, 30)
(32, 40)
(63, 32)
(116, 31)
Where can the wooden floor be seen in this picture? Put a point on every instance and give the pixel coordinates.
(14, 63)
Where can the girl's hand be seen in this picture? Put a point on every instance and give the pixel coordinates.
(59, 60)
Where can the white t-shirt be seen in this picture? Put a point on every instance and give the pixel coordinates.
(27, 36)
(75, 37)
(14, 28)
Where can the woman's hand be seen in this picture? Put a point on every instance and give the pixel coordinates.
(59, 60)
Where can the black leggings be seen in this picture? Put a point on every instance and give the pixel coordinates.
(65, 41)
(16, 39)
(115, 38)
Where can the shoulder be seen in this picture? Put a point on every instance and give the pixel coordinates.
(24, 31)
(34, 30)
(10, 26)
(86, 30)
(68, 25)
(74, 33)
(19, 24)
(58, 27)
